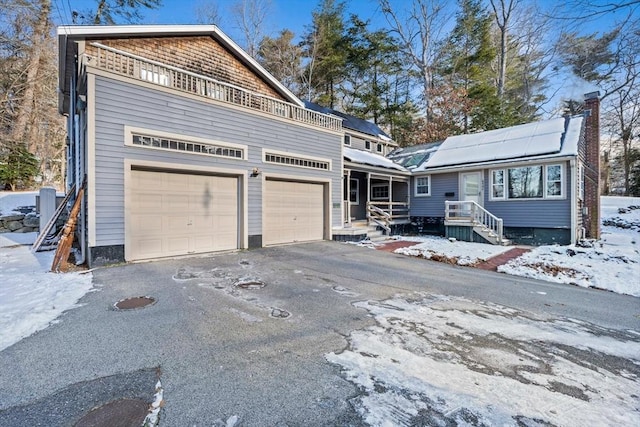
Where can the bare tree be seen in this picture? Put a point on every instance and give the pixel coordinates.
(420, 29)
(503, 11)
(250, 16)
(28, 97)
(207, 12)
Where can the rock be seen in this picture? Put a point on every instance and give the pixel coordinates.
(31, 220)
(9, 218)
(4, 230)
(13, 225)
(24, 230)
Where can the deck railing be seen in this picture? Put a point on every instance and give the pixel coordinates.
(137, 67)
(471, 212)
(398, 211)
(379, 217)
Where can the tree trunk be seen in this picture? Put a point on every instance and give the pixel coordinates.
(27, 105)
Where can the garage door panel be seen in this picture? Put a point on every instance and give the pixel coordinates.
(293, 212)
(174, 214)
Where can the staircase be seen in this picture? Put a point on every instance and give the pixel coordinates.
(372, 231)
(489, 235)
(471, 214)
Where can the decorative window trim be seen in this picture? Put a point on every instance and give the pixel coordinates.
(357, 191)
(545, 181)
(378, 197)
(296, 160)
(347, 140)
(165, 141)
(416, 186)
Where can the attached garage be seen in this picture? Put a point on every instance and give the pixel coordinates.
(171, 213)
(293, 211)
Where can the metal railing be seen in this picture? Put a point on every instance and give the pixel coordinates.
(470, 211)
(137, 67)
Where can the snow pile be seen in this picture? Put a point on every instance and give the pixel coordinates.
(31, 297)
(612, 263)
(433, 360)
(450, 251)
(10, 201)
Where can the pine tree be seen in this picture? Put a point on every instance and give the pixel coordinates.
(322, 46)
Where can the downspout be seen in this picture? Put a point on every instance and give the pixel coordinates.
(574, 201)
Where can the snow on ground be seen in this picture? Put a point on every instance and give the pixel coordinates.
(435, 360)
(452, 251)
(612, 263)
(10, 200)
(31, 298)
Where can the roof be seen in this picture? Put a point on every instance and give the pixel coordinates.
(68, 35)
(352, 122)
(371, 159)
(549, 138)
(414, 156)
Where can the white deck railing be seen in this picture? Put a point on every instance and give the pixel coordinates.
(379, 217)
(137, 67)
(473, 213)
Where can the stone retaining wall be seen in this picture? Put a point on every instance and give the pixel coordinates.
(25, 222)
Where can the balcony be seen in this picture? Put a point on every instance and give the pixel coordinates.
(139, 68)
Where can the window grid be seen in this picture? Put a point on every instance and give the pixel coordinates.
(187, 146)
(296, 161)
(422, 186)
(380, 192)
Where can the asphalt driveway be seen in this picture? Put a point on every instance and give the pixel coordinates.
(242, 337)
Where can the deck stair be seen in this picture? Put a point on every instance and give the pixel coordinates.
(483, 222)
(372, 230)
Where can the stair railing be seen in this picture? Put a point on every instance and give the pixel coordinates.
(472, 212)
(379, 217)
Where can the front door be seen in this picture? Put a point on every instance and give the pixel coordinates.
(471, 183)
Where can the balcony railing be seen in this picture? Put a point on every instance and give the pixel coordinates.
(137, 67)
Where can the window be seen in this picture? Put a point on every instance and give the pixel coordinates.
(554, 181)
(185, 145)
(289, 160)
(379, 148)
(354, 192)
(527, 182)
(347, 140)
(380, 192)
(497, 184)
(423, 186)
(367, 145)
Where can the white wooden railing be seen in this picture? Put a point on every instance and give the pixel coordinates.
(398, 211)
(137, 67)
(379, 217)
(471, 212)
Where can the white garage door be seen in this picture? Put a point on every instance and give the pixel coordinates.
(175, 214)
(293, 212)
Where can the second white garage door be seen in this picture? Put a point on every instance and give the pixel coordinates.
(293, 212)
(176, 214)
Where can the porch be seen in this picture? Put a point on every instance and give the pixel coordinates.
(379, 199)
(468, 221)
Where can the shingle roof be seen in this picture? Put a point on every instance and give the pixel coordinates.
(351, 122)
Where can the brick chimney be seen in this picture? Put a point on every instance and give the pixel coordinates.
(591, 211)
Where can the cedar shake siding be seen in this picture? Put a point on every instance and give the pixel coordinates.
(201, 55)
